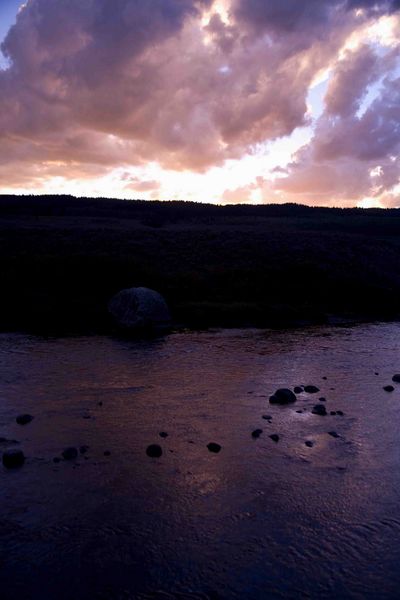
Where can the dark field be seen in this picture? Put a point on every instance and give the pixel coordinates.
(62, 259)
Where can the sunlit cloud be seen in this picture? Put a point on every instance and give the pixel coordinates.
(224, 101)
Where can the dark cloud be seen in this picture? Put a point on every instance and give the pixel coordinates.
(279, 16)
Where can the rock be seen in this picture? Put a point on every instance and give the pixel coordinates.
(283, 396)
(24, 419)
(154, 451)
(140, 309)
(163, 434)
(70, 453)
(311, 389)
(322, 399)
(13, 459)
(340, 413)
(333, 413)
(274, 437)
(100, 403)
(396, 378)
(267, 417)
(319, 409)
(324, 378)
(333, 434)
(256, 433)
(309, 443)
(298, 390)
(388, 388)
(107, 453)
(213, 447)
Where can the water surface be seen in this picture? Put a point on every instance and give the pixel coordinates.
(258, 520)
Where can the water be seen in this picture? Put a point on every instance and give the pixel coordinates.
(259, 520)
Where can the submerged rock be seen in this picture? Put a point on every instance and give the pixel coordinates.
(154, 451)
(24, 419)
(256, 433)
(70, 453)
(319, 409)
(311, 389)
(396, 378)
(274, 437)
(283, 396)
(388, 388)
(213, 447)
(13, 459)
(298, 389)
(140, 309)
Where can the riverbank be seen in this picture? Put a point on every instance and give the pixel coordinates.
(62, 259)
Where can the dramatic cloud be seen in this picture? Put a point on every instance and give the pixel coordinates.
(188, 85)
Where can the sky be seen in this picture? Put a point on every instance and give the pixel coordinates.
(226, 101)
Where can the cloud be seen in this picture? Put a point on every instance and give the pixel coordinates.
(97, 85)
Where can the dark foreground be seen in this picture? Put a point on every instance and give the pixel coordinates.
(260, 520)
(61, 260)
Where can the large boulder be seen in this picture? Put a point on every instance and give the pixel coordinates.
(140, 309)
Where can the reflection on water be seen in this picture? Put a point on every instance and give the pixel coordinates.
(258, 520)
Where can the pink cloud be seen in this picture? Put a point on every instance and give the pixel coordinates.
(97, 84)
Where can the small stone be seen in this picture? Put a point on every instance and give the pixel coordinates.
(298, 390)
(256, 433)
(325, 378)
(163, 434)
(311, 389)
(333, 413)
(154, 451)
(309, 443)
(283, 396)
(70, 453)
(24, 419)
(213, 447)
(83, 449)
(376, 373)
(340, 413)
(274, 437)
(13, 459)
(107, 453)
(388, 388)
(322, 399)
(333, 434)
(267, 417)
(319, 409)
(396, 378)
(100, 404)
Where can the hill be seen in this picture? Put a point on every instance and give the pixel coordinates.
(62, 258)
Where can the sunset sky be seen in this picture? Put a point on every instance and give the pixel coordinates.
(215, 101)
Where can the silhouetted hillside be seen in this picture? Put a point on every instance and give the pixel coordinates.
(62, 258)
